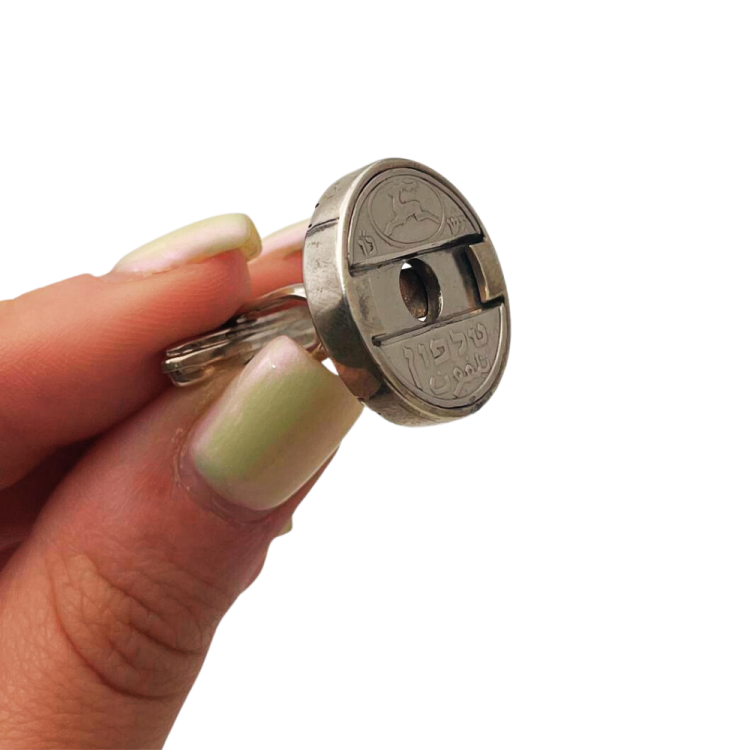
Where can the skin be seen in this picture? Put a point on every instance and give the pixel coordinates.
(105, 619)
(287, 241)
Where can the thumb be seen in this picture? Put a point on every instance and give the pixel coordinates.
(108, 610)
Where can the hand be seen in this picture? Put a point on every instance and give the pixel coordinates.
(132, 514)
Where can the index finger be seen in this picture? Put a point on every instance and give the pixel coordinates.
(79, 356)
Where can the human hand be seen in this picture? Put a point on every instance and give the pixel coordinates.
(132, 515)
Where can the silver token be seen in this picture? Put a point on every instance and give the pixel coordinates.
(405, 294)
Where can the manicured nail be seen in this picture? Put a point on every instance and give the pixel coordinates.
(194, 243)
(273, 428)
(286, 241)
(286, 528)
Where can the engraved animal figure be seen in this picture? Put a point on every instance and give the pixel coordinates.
(403, 210)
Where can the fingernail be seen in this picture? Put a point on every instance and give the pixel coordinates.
(273, 428)
(286, 528)
(194, 243)
(286, 241)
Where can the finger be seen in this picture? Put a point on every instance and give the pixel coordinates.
(21, 503)
(286, 241)
(194, 243)
(280, 262)
(79, 356)
(129, 570)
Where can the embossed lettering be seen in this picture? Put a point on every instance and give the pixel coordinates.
(478, 335)
(436, 345)
(443, 387)
(409, 354)
(458, 374)
(366, 244)
(458, 337)
(483, 364)
(455, 223)
(425, 356)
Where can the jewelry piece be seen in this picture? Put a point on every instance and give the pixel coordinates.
(403, 291)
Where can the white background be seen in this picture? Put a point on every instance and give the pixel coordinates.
(570, 567)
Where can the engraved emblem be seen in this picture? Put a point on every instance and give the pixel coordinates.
(366, 244)
(409, 208)
(406, 210)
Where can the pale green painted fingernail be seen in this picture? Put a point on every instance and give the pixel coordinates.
(274, 427)
(286, 528)
(286, 241)
(194, 243)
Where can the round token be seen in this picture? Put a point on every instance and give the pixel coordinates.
(407, 294)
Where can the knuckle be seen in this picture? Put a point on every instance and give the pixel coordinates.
(143, 630)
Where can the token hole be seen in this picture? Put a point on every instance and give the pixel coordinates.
(420, 290)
